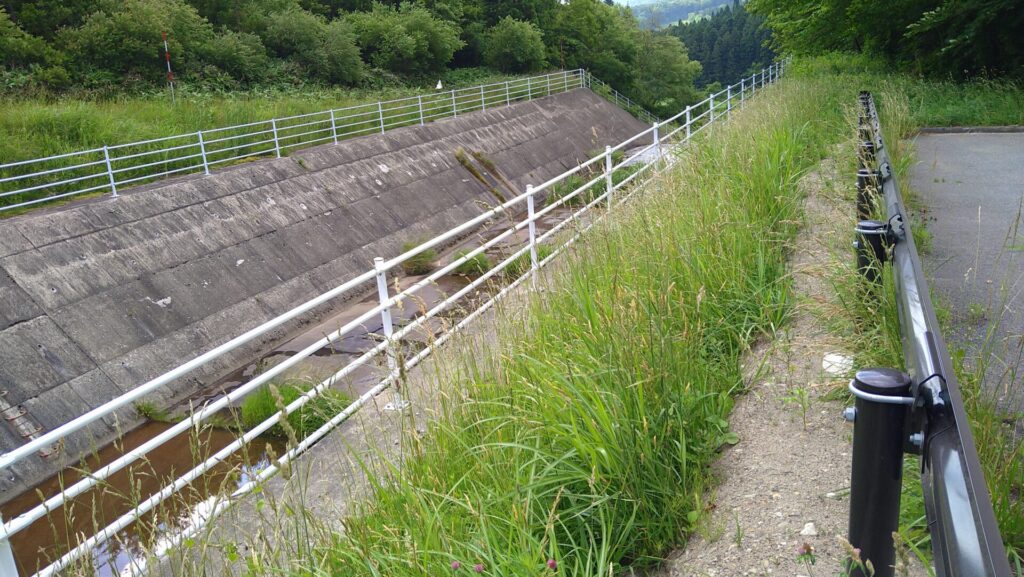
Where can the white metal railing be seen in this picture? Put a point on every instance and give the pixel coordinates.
(26, 183)
(648, 152)
(619, 99)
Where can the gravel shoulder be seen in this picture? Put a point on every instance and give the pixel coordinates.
(786, 483)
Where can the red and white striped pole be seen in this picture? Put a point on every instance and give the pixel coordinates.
(167, 57)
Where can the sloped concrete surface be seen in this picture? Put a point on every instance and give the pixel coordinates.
(99, 296)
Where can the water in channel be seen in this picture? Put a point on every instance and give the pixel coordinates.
(51, 536)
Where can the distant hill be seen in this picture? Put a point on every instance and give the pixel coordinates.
(661, 13)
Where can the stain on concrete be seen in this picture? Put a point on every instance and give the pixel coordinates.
(100, 296)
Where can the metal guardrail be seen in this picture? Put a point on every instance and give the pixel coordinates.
(922, 412)
(655, 144)
(26, 183)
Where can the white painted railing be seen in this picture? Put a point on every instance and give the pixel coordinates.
(25, 183)
(647, 152)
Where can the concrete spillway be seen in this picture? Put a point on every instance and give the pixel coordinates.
(100, 296)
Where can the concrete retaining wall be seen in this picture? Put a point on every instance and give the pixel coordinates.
(100, 296)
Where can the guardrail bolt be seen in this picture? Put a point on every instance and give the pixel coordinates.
(850, 414)
(875, 483)
(916, 440)
(872, 245)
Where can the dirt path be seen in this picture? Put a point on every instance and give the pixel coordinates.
(786, 483)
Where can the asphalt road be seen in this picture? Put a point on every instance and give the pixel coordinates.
(971, 187)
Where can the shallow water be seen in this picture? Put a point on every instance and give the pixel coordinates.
(49, 537)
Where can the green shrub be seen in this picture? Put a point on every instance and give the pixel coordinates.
(514, 46)
(261, 405)
(17, 47)
(522, 263)
(408, 39)
(125, 40)
(240, 54)
(340, 62)
(327, 51)
(475, 265)
(420, 263)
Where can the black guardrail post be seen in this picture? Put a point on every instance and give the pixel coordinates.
(872, 248)
(867, 191)
(875, 484)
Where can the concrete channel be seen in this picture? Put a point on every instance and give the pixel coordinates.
(100, 296)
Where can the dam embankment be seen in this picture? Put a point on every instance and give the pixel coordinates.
(100, 296)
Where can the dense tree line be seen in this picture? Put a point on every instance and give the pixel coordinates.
(956, 38)
(59, 45)
(730, 44)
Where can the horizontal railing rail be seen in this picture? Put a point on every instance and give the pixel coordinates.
(110, 168)
(604, 178)
(924, 409)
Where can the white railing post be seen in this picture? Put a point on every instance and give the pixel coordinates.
(483, 101)
(728, 100)
(688, 108)
(7, 565)
(277, 143)
(711, 108)
(334, 128)
(397, 402)
(743, 90)
(565, 81)
(609, 182)
(110, 172)
(529, 88)
(419, 102)
(202, 152)
(548, 78)
(455, 107)
(534, 265)
(657, 142)
(380, 115)
(508, 96)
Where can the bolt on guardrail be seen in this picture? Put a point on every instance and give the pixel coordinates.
(650, 159)
(921, 412)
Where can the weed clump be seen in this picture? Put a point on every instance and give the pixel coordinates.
(419, 263)
(262, 404)
(475, 265)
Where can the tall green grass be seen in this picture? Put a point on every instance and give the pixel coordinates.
(586, 445)
(33, 127)
(929, 102)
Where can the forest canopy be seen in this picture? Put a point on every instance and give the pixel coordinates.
(732, 43)
(105, 46)
(961, 39)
